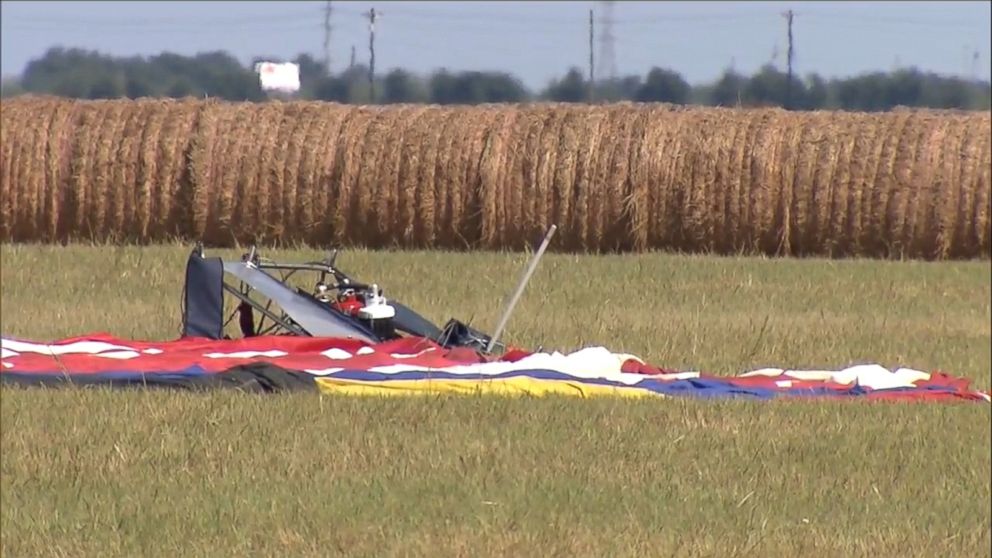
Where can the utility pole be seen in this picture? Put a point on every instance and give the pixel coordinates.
(592, 63)
(788, 80)
(327, 37)
(351, 63)
(372, 55)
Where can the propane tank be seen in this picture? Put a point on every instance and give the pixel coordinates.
(378, 313)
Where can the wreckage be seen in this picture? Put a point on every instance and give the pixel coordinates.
(336, 335)
(338, 306)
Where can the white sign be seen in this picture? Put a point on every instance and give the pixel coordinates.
(279, 77)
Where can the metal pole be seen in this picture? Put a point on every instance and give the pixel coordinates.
(788, 77)
(520, 288)
(372, 56)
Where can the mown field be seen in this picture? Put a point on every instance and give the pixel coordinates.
(86, 473)
(615, 178)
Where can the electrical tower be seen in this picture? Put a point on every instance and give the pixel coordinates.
(607, 56)
(327, 37)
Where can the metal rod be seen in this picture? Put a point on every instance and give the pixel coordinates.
(520, 288)
(340, 276)
(257, 306)
(296, 267)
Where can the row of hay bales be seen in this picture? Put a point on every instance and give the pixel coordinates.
(612, 177)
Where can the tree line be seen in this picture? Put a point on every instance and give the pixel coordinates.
(86, 74)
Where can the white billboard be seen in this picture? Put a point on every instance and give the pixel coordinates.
(284, 78)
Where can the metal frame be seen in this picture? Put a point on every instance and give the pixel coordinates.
(284, 321)
(296, 316)
(278, 321)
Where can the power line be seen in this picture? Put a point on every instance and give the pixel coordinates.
(897, 20)
(481, 16)
(139, 31)
(486, 18)
(677, 19)
(158, 22)
(346, 10)
(445, 47)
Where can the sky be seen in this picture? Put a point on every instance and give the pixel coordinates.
(536, 41)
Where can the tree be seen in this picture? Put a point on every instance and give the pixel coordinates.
(469, 88)
(943, 92)
(218, 74)
(400, 86)
(904, 87)
(349, 86)
(498, 87)
(864, 92)
(71, 73)
(728, 91)
(441, 87)
(78, 73)
(816, 93)
(572, 88)
(663, 86)
(180, 88)
(618, 89)
(108, 87)
(770, 87)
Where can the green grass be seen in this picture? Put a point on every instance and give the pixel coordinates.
(88, 473)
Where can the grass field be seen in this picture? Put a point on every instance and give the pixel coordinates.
(88, 473)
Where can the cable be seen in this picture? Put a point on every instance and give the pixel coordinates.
(487, 19)
(394, 10)
(186, 21)
(196, 29)
(873, 20)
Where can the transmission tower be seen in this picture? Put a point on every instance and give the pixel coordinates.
(327, 37)
(607, 56)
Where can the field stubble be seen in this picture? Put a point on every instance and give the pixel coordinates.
(159, 473)
(614, 178)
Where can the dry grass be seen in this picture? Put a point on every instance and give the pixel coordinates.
(615, 177)
(97, 473)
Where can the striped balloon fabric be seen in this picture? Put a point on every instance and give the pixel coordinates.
(417, 366)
